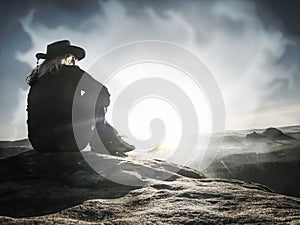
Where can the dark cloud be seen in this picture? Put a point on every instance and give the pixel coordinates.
(52, 13)
(288, 13)
(289, 92)
(13, 39)
(12, 72)
(284, 13)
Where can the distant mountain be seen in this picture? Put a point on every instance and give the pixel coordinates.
(11, 148)
(276, 134)
(285, 129)
(271, 133)
(279, 170)
(270, 157)
(290, 129)
(254, 136)
(22, 142)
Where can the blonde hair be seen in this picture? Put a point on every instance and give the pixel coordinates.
(51, 66)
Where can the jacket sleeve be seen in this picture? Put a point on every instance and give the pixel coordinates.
(99, 92)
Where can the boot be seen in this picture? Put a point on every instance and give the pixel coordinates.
(112, 142)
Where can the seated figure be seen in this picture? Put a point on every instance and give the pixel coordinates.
(57, 87)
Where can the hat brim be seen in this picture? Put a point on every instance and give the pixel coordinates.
(78, 52)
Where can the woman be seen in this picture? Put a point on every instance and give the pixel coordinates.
(56, 90)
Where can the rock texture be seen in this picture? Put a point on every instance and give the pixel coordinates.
(62, 189)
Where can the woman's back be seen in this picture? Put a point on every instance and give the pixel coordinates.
(50, 108)
(64, 102)
(50, 99)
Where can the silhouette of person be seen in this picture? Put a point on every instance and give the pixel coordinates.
(53, 87)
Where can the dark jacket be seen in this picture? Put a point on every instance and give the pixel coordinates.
(60, 103)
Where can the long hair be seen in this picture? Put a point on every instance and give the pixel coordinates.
(51, 66)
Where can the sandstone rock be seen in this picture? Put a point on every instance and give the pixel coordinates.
(62, 189)
(271, 134)
(254, 135)
(276, 134)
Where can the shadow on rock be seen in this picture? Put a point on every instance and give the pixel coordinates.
(41, 183)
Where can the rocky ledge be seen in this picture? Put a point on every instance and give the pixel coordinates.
(62, 189)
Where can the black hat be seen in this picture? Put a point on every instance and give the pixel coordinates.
(60, 48)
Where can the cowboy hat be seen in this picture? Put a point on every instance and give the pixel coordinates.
(60, 48)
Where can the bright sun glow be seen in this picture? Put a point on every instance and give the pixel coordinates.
(148, 108)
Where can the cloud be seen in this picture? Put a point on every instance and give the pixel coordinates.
(19, 122)
(228, 36)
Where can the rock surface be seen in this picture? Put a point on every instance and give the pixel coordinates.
(48, 188)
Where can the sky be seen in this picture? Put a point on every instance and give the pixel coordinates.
(252, 48)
